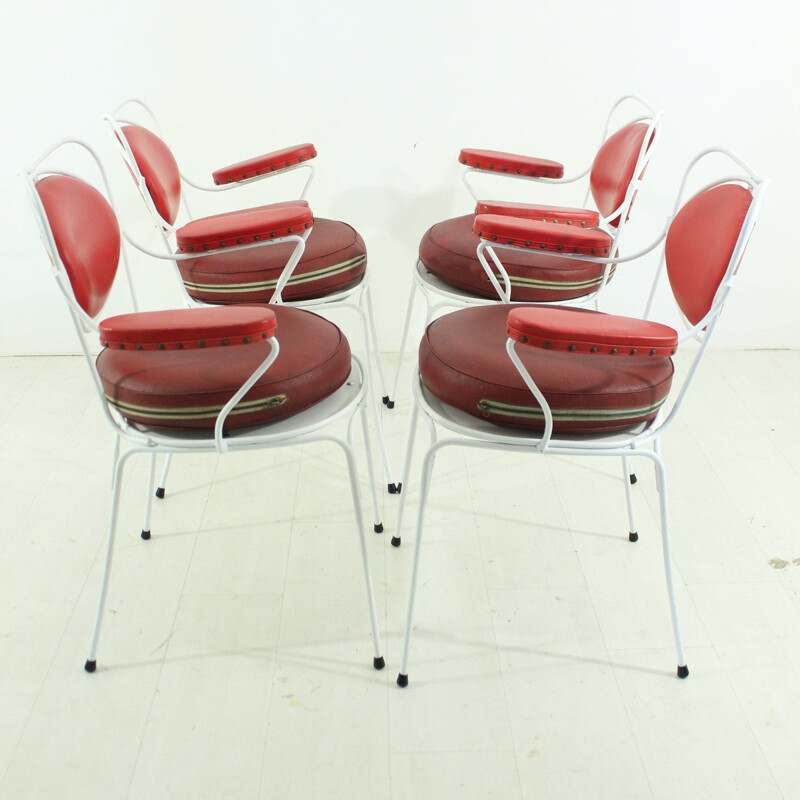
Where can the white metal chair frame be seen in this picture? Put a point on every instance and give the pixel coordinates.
(644, 441)
(357, 298)
(439, 295)
(347, 403)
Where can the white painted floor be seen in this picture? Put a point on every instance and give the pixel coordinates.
(236, 660)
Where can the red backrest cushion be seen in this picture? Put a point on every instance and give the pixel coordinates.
(613, 167)
(86, 234)
(159, 168)
(700, 244)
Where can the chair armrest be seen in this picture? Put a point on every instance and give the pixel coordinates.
(264, 165)
(496, 161)
(584, 217)
(534, 234)
(580, 331)
(246, 226)
(188, 328)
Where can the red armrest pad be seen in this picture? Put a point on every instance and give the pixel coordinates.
(580, 331)
(542, 235)
(188, 328)
(584, 217)
(495, 161)
(244, 227)
(263, 165)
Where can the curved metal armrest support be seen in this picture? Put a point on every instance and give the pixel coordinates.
(202, 253)
(253, 179)
(534, 389)
(578, 331)
(221, 444)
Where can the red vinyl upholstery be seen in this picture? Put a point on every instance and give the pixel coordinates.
(540, 235)
(335, 259)
(263, 165)
(462, 361)
(447, 251)
(159, 168)
(90, 252)
(700, 244)
(247, 226)
(496, 161)
(188, 328)
(186, 388)
(613, 167)
(568, 330)
(585, 217)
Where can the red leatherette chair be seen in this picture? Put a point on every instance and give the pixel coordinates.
(570, 381)
(449, 272)
(197, 379)
(332, 272)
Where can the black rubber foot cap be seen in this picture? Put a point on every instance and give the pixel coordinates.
(145, 535)
(399, 487)
(378, 528)
(633, 477)
(387, 401)
(633, 537)
(683, 672)
(90, 666)
(402, 680)
(160, 492)
(395, 541)
(378, 663)
(393, 488)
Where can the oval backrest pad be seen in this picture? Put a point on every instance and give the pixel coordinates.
(159, 168)
(613, 167)
(86, 235)
(700, 243)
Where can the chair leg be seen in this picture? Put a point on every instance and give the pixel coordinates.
(161, 491)
(412, 429)
(404, 339)
(377, 660)
(427, 467)
(683, 670)
(373, 401)
(377, 525)
(366, 297)
(148, 500)
(633, 536)
(114, 456)
(91, 662)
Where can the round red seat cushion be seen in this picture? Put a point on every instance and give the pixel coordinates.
(335, 259)
(448, 251)
(463, 362)
(188, 388)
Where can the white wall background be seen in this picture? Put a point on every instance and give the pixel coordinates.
(389, 94)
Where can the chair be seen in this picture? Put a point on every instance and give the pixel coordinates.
(331, 273)
(197, 380)
(576, 381)
(450, 274)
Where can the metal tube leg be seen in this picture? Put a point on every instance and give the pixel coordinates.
(412, 429)
(114, 456)
(404, 339)
(377, 525)
(373, 401)
(366, 296)
(427, 466)
(683, 670)
(633, 536)
(161, 491)
(377, 661)
(148, 500)
(91, 662)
